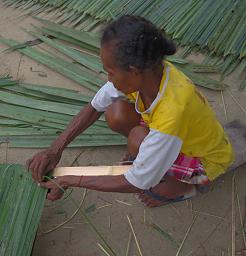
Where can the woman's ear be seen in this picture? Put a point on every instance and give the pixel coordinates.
(135, 71)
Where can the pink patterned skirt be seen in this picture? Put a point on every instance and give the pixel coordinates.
(189, 170)
(186, 169)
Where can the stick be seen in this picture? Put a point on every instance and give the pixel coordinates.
(176, 210)
(109, 222)
(187, 232)
(17, 75)
(103, 206)
(133, 232)
(224, 105)
(191, 207)
(128, 244)
(90, 170)
(70, 218)
(101, 247)
(209, 214)
(237, 102)
(122, 202)
(76, 158)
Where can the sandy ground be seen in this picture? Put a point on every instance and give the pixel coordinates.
(209, 235)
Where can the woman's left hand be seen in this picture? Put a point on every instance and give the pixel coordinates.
(55, 185)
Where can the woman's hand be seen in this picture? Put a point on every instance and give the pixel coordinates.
(57, 185)
(42, 163)
(47, 160)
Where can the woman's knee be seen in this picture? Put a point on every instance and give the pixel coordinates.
(122, 117)
(135, 138)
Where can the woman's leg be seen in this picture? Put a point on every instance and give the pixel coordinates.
(171, 188)
(122, 117)
(237, 134)
(135, 138)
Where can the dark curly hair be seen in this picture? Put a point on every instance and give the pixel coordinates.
(138, 42)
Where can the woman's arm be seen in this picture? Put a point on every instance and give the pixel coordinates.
(47, 160)
(105, 183)
(85, 118)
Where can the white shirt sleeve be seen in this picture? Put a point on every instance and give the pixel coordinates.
(157, 153)
(106, 96)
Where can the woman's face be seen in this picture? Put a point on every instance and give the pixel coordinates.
(125, 81)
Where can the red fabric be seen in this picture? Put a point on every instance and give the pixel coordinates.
(189, 170)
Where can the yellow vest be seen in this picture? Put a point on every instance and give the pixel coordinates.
(184, 112)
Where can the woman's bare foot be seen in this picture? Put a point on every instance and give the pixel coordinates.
(170, 188)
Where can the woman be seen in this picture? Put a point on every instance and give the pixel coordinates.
(174, 139)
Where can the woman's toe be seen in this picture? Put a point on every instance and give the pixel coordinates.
(148, 201)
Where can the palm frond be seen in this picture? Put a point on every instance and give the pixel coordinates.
(21, 203)
(211, 26)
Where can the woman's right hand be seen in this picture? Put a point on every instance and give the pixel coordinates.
(45, 161)
(42, 163)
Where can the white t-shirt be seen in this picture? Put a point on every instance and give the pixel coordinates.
(157, 152)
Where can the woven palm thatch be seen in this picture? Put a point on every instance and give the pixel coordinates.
(216, 27)
(34, 115)
(21, 204)
(89, 73)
